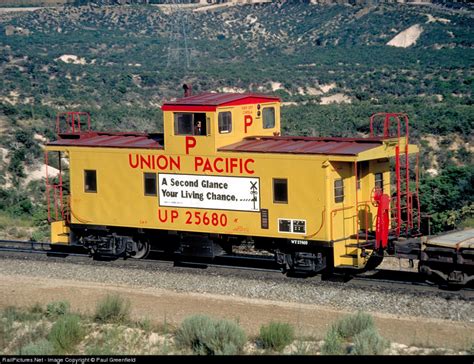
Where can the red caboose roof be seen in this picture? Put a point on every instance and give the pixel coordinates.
(210, 101)
(110, 140)
(304, 145)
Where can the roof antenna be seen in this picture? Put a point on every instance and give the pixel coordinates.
(187, 90)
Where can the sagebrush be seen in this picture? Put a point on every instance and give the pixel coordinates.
(276, 335)
(112, 309)
(351, 325)
(66, 333)
(209, 336)
(333, 343)
(369, 342)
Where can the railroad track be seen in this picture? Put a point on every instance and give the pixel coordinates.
(379, 279)
(27, 246)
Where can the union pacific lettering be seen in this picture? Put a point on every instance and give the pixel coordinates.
(224, 165)
(216, 165)
(159, 162)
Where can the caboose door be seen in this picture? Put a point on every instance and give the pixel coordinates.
(341, 201)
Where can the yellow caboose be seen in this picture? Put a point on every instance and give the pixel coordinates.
(221, 174)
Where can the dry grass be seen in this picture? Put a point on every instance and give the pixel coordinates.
(15, 228)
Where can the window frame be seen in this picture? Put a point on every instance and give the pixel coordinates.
(229, 130)
(359, 176)
(378, 182)
(176, 123)
(274, 182)
(86, 189)
(362, 168)
(204, 123)
(145, 175)
(263, 117)
(339, 196)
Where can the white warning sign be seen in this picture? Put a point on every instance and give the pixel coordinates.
(209, 192)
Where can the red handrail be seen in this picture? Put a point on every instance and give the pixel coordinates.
(73, 120)
(407, 194)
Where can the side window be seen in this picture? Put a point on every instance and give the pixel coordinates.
(190, 124)
(183, 124)
(359, 176)
(379, 181)
(338, 190)
(150, 184)
(90, 181)
(225, 122)
(362, 168)
(268, 117)
(280, 190)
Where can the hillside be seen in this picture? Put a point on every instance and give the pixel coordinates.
(333, 65)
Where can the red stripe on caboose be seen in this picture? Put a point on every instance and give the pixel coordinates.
(187, 108)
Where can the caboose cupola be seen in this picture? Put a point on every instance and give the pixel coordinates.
(203, 123)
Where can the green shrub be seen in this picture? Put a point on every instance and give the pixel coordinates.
(12, 314)
(112, 309)
(207, 336)
(59, 308)
(28, 333)
(66, 333)
(351, 325)
(36, 308)
(276, 335)
(333, 343)
(369, 342)
(40, 234)
(41, 347)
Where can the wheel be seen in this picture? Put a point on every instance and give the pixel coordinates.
(143, 247)
(428, 276)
